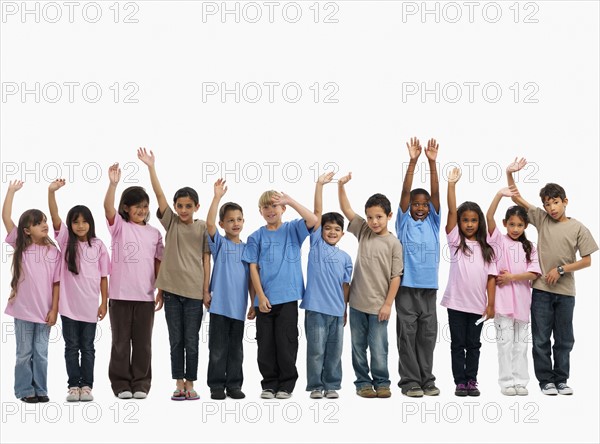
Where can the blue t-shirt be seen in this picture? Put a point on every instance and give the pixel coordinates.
(229, 281)
(328, 269)
(420, 248)
(278, 255)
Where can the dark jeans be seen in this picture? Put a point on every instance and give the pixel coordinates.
(79, 337)
(551, 314)
(184, 319)
(277, 338)
(226, 355)
(465, 345)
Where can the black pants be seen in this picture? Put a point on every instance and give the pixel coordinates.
(277, 338)
(225, 342)
(465, 345)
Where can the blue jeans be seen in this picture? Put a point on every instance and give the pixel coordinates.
(367, 331)
(226, 352)
(79, 336)
(551, 315)
(31, 367)
(324, 340)
(184, 318)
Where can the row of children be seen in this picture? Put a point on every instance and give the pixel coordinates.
(489, 276)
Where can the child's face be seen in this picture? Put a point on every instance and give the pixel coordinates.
(419, 207)
(514, 227)
(556, 208)
(377, 219)
(469, 224)
(138, 212)
(332, 233)
(38, 232)
(80, 227)
(272, 213)
(185, 209)
(232, 223)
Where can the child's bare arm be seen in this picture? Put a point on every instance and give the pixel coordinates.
(453, 178)
(52, 205)
(431, 152)
(386, 309)
(553, 276)
(114, 176)
(149, 160)
(515, 166)
(504, 277)
(206, 298)
(489, 216)
(252, 294)
(343, 198)
(13, 187)
(211, 218)
(263, 302)
(104, 293)
(318, 205)
(490, 310)
(346, 288)
(414, 151)
(309, 217)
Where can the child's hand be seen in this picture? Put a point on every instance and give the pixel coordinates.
(264, 305)
(102, 311)
(56, 184)
(114, 173)
(552, 276)
(325, 178)
(489, 312)
(143, 155)
(206, 299)
(414, 148)
(220, 188)
(516, 165)
(251, 313)
(504, 278)
(454, 175)
(345, 317)
(384, 313)
(51, 317)
(432, 150)
(281, 199)
(158, 302)
(507, 191)
(15, 185)
(345, 179)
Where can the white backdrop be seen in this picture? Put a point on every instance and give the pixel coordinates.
(268, 95)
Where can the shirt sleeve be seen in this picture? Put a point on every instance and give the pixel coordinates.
(104, 260)
(300, 230)
(214, 244)
(160, 247)
(533, 266)
(397, 264)
(117, 225)
(436, 217)
(166, 219)
(358, 226)
(536, 216)
(62, 236)
(252, 250)
(347, 270)
(11, 238)
(585, 242)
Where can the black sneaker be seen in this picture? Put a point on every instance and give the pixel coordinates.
(43, 398)
(461, 390)
(472, 388)
(217, 394)
(235, 393)
(431, 390)
(30, 399)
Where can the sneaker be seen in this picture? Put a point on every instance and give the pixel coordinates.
(235, 393)
(43, 398)
(218, 393)
(383, 392)
(564, 389)
(549, 389)
(461, 390)
(73, 395)
(316, 394)
(140, 395)
(431, 390)
(331, 394)
(366, 392)
(472, 389)
(86, 394)
(414, 392)
(521, 390)
(126, 394)
(509, 391)
(283, 394)
(268, 394)
(30, 399)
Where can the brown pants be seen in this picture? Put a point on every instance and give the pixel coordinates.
(130, 366)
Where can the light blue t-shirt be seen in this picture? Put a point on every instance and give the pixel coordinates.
(278, 255)
(328, 269)
(229, 281)
(420, 248)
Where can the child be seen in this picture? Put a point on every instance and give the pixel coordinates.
(33, 300)
(553, 298)
(517, 265)
(183, 278)
(418, 228)
(137, 250)
(84, 272)
(229, 294)
(372, 291)
(472, 272)
(273, 254)
(325, 300)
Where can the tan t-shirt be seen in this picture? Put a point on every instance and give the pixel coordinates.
(181, 271)
(557, 244)
(379, 259)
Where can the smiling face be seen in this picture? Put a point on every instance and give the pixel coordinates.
(185, 209)
(515, 226)
(419, 207)
(332, 233)
(469, 223)
(378, 220)
(556, 208)
(232, 223)
(80, 227)
(272, 214)
(138, 212)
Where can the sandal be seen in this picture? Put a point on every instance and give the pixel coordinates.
(178, 395)
(191, 395)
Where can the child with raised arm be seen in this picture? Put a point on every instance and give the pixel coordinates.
(84, 270)
(517, 265)
(33, 301)
(229, 290)
(418, 228)
(183, 278)
(372, 291)
(273, 254)
(137, 250)
(553, 297)
(325, 300)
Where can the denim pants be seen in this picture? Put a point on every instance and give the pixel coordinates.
(465, 345)
(551, 315)
(31, 367)
(367, 332)
(184, 319)
(79, 337)
(226, 352)
(324, 341)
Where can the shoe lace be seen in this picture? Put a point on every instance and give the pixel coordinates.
(472, 384)
(86, 390)
(74, 391)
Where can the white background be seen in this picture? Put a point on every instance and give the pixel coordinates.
(372, 53)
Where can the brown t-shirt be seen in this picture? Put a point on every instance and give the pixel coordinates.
(557, 244)
(181, 271)
(379, 259)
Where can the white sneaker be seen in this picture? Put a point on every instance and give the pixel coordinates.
(316, 394)
(73, 395)
(282, 394)
(331, 394)
(125, 395)
(549, 389)
(521, 390)
(86, 394)
(140, 395)
(509, 391)
(267, 394)
(564, 389)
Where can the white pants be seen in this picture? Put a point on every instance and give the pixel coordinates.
(511, 338)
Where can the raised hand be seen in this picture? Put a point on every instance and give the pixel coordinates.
(281, 199)
(508, 191)
(15, 185)
(414, 148)
(114, 173)
(56, 184)
(432, 150)
(516, 165)
(146, 157)
(325, 178)
(220, 188)
(345, 179)
(454, 175)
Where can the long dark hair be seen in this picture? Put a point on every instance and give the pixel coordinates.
(133, 196)
(521, 213)
(72, 244)
(480, 235)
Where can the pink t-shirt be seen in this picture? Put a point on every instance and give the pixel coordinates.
(79, 292)
(467, 283)
(40, 268)
(134, 248)
(513, 300)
